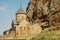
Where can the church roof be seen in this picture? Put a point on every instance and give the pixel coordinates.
(20, 10)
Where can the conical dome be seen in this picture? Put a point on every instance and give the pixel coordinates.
(20, 10)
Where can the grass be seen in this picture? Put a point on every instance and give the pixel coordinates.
(52, 35)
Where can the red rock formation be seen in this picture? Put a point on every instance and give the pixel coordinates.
(43, 9)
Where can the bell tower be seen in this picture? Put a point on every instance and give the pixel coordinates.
(20, 15)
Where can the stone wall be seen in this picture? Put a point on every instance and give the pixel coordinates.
(24, 29)
(20, 17)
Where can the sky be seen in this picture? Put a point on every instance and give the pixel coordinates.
(8, 9)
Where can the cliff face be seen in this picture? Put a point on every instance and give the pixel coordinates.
(30, 8)
(44, 11)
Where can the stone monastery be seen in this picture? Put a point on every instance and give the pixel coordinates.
(22, 27)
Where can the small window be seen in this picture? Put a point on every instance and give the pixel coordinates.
(17, 24)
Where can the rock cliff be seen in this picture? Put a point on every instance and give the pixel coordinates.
(44, 11)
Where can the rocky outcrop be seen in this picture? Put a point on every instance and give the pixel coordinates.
(30, 9)
(44, 11)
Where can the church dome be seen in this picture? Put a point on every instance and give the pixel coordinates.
(20, 11)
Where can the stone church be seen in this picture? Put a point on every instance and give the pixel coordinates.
(21, 27)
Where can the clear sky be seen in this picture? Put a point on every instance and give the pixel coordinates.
(8, 9)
